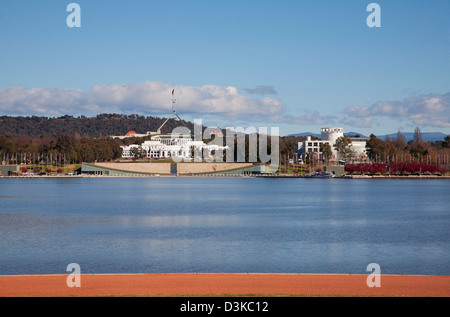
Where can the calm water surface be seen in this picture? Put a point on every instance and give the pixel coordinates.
(137, 225)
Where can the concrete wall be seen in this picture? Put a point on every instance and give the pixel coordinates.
(196, 168)
(165, 168)
(336, 170)
(5, 169)
(149, 168)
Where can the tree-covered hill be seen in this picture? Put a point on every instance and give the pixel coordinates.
(101, 125)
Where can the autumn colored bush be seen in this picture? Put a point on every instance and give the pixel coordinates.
(400, 168)
(443, 169)
(413, 168)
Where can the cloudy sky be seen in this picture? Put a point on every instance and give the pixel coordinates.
(297, 65)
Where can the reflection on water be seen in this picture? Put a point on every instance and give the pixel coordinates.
(113, 225)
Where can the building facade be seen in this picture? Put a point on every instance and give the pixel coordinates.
(179, 147)
(313, 148)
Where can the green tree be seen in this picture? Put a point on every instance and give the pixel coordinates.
(138, 152)
(446, 141)
(103, 150)
(400, 141)
(378, 149)
(327, 152)
(417, 135)
(310, 157)
(418, 146)
(85, 151)
(344, 148)
(6, 144)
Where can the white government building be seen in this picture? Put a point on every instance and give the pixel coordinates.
(329, 135)
(182, 147)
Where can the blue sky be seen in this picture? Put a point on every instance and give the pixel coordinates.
(297, 65)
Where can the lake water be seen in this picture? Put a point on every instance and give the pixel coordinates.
(148, 225)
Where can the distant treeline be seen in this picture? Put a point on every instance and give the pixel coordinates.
(87, 139)
(100, 126)
(70, 148)
(397, 149)
(77, 149)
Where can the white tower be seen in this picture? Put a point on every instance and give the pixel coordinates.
(331, 134)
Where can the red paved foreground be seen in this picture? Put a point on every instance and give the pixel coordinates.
(223, 284)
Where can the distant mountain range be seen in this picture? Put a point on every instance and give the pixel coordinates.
(318, 134)
(426, 136)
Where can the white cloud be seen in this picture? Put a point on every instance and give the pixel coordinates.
(144, 98)
(425, 110)
(40, 101)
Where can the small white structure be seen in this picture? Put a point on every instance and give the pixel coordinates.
(329, 136)
(309, 146)
(359, 147)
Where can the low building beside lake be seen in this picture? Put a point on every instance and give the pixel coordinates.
(328, 136)
(8, 170)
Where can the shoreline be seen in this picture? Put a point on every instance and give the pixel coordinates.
(224, 284)
(228, 175)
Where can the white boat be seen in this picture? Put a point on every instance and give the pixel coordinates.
(322, 175)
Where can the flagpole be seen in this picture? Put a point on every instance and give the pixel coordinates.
(173, 100)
